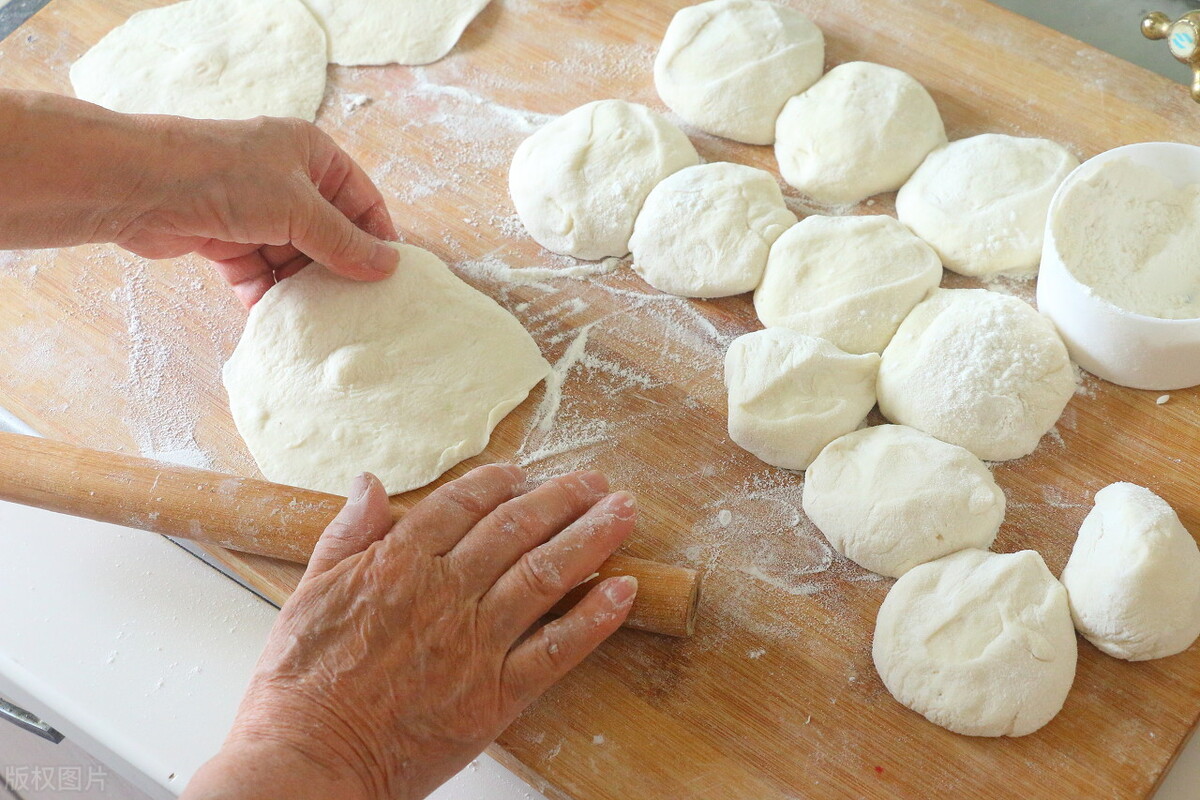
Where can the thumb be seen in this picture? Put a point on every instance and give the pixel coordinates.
(366, 518)
(330, 238)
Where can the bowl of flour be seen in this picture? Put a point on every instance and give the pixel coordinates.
(1120, 272)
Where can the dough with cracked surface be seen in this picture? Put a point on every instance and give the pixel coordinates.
(890, 498)
(860, 130)
(209, 59)
(791, 394)
(1133, 577)
(979, 643)
(728, 66)
(579, 182)
(982, 202)
(978, 369)
(851, 280)
(404, 378)
(705, 231)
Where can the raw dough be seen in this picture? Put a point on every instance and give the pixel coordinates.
(979, 643)
(1133, 578)
(368, 32)
(404, 378)
(728, 66)
(850, 280)
(791, 394)
(978, 369)
(890, 498)
(579, 182)
(705, 231)
(209, 59)
(1131, 233)
(860, 130)
(982, 202)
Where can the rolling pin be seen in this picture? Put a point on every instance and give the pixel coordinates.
(255, 516)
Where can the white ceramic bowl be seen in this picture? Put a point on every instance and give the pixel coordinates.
(1120, 346)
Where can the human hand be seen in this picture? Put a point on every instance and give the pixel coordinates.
(262, 199)
(400, 655)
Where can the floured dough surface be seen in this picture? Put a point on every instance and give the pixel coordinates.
(370, 32)
(579, 182)
(791, 394)
(403, 378)
(978, 369)
(728, 66)
(860, 130)
(1133, 578)
(209, 59)
(982, 202)
(705, 231)
(890, 498)
(979, 643)
(850, 280)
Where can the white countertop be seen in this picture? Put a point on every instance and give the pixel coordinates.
(139, 652)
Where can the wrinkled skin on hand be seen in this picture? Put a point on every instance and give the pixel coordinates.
(403, 651)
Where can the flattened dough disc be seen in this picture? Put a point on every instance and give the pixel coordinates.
(403, 378)
(209, 59)
(370, 32)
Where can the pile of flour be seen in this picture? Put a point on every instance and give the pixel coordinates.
(1132, 235)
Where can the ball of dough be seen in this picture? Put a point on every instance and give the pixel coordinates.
(405, 377)
(705, 231)
(1133, 578)
(860, 130)
(209, 59)
(978, 369)
(982, 202)
(367, 32)
(791, 394)
(728, 66)
(979, 643)
(890, 498)
(579, 182)
(851, 280)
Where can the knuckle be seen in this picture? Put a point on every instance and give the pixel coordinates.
(467, 499)
(540, 576)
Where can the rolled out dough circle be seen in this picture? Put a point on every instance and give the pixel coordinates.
(209, 59)
(372, 32)
(403, 378)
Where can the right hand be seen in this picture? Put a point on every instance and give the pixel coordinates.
(403, 651)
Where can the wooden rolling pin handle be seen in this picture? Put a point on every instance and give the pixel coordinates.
(254, 516)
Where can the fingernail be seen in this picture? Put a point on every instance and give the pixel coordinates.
(623, 505)
(596, 481)
(384, 258)
(620, 591)
(360, 487)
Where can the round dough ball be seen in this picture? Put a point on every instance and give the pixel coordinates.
(982, 202)
(860, 130)
(979, 643)
(579, 182)
(209, 59)
(370, 32)
(1133, 578)
(851, 280)
(791, 394)
(705, 231)
(728, 66)
(978, 369)
(405, 377)
(890, 498)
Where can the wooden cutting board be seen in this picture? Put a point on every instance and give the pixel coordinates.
(775, 697)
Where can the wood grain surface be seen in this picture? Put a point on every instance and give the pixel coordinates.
(775, 696)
